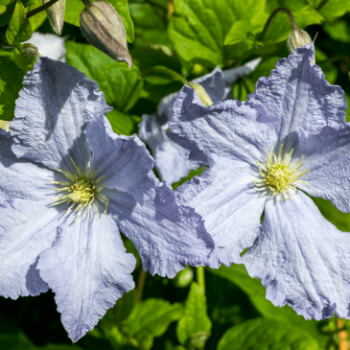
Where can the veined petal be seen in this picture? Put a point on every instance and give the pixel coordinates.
(231, 208)
(167, 236)
(298, 94)
(327, 155)
(302, 259)
(227, 129)
(123, 161)
(88, 269)
(51, 111)
(26, 229)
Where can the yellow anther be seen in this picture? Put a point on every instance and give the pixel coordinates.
(82, 192)
(279, 176)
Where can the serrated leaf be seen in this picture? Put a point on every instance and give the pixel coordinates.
(37, 20)
(150, 319)
(256, 292)
(11, 78)
(199, 28)
(122, 86)
(75, 7)
(264, 334)
(19, 28)
(195, 321)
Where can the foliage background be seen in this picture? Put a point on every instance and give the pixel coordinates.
(168, 39)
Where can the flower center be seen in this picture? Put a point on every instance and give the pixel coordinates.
(81, 192)
(279, 176)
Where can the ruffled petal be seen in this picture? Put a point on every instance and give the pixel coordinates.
(302, 259)
(227, 129)
(327, 155)
(298, 94)
(26, 229)
(50, 113)
(167, 236)
(231, 208)
(88, 269)
(123, 161)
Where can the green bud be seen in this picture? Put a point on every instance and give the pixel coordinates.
(55, 13)
(298, 38)
(184, 277)
(29, 51)
(202, 94)
(102, 26)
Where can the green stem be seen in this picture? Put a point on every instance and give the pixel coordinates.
(245, 85)
(41, 8)
(201, 278)
(140, 284)
(273, 14)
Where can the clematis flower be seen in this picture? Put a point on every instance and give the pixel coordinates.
(264, 156)
(74, 186)
(152, 129)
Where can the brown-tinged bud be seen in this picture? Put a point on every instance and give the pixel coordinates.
(102, 26)
(298, 38)
(29, 51)
(55, 13)
(202, 94)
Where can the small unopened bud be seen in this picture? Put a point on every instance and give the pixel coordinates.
(298, 38)
(55, 13)
(202, 94)
(102, 26)
(29, 51)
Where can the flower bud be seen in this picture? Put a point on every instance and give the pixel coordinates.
(29, 51)
(298, 38)
(102, 26)
(4, 125)
(55, 13)
(202, 94)
(184, 277)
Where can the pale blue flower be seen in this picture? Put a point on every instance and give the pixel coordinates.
(264, 155)
(73, 187)
(169, 164)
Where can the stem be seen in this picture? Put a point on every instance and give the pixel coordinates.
(41, 8)
(246, 86)
(319, 7)
(86, 2)
(201, 278)
(344, 58)
(273, 14)
(140, 284)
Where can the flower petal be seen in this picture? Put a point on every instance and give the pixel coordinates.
(26, 229)
(298, 94)
(167, 236)
(302, 259)
(227, 129)
(52, 109)
(88, 269)
(231, 208)
(124, 161)
(327, 155)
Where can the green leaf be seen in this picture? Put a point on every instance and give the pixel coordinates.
(150, 319)
(199, 29)
(2, 9)
(334, 8)
(11, 78)
(37, 20)
(266, 334)
(338, 30)
(24, 64)
(161, 75)
(237, 33)
(6, 16)
(150, 23)
(122, 86)
(75, 7)
(194, 325)
(6, 2)
(19, 28)
(256, 292)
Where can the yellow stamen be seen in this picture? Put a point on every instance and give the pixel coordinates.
(278, 176)
(81, 192)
